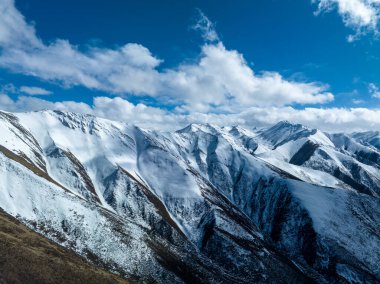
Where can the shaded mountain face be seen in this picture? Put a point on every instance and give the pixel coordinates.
(285, 204)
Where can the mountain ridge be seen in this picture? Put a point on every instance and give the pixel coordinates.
(203, 204)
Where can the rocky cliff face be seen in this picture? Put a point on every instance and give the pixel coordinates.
(285, 204)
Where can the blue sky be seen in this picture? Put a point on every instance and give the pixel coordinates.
(314, 61)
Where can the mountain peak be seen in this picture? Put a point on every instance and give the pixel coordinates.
(289, 124)
(195, 127)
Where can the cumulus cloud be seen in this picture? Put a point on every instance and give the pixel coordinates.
(111, 108)
(361, 15)
(329, 119)
(220, 80)
(34, 91)
(29, 90)
(27, 103)
(129, 68)
(218, 88)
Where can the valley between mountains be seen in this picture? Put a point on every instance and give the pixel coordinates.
(204, 204)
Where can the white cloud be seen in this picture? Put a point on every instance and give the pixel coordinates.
(8, 89)
(29, 90)
(206, 27)
(329, 119)
(129, 68)
(14, 31)
(110, 108)
(220, 80)
(33, 91)
(26, 103)
(218, 88)
(106, 70)
(361, 15)
(374, 90)
(358, 101)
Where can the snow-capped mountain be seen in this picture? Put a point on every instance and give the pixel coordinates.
(284, 204)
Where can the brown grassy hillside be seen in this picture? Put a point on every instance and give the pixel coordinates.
(27, 257)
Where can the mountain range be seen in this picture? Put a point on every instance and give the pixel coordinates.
(204, 204)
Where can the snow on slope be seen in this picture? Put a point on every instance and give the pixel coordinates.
(371, 138)
(328, 207)
(46, 206)
(162, 170)
(219, 187)
(17, 139)
(102, 145)
(97, 143)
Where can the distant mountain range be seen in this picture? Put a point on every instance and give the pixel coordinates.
(205, 204)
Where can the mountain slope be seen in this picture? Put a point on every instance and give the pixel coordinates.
(27, 257)
(201, 205)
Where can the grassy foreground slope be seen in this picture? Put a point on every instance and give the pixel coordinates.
(27, 257)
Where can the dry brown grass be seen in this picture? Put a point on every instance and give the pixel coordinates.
(27, 257)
